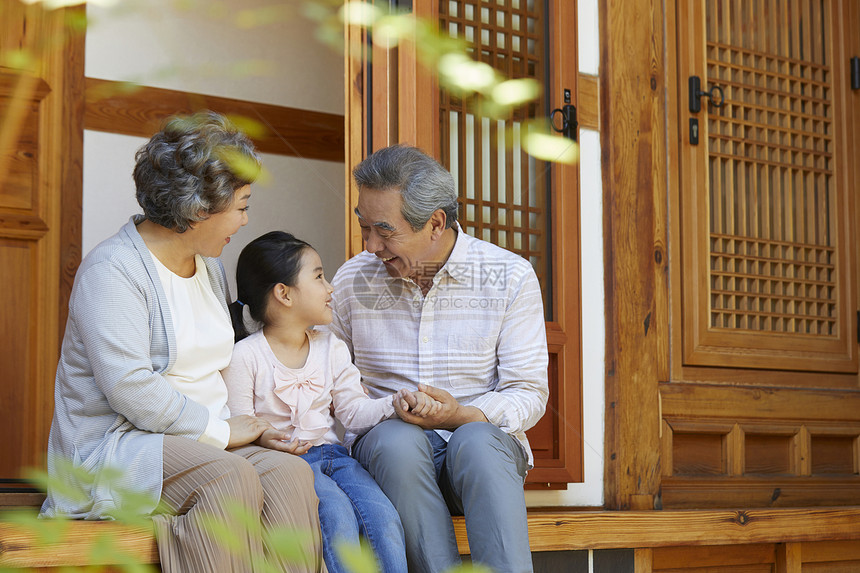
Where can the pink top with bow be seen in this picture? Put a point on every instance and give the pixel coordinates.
(298, 400)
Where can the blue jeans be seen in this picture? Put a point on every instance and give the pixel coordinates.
(478, 473)
(351, 504)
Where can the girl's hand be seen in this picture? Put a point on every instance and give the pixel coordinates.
(245, 429)
(418, 403)
(275, 440)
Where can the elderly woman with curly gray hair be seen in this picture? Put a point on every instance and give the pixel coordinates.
(138, 386)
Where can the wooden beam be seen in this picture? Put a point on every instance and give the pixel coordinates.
(116, 107)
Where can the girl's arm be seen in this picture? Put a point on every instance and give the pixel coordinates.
(352, 407)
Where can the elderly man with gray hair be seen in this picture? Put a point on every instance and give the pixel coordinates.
(427, 307)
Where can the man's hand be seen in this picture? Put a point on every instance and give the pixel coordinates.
(275, 440)
(449, 416)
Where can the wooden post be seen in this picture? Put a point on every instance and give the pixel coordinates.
(632, 101)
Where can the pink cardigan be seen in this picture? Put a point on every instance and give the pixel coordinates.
(298, 400)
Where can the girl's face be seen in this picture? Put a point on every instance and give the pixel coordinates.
(311, 294)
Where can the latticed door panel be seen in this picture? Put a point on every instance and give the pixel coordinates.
(503, 191)
(766, 200)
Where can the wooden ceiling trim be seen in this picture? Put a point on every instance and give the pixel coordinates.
(114, 107)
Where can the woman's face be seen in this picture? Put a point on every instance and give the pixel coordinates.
(211, 235)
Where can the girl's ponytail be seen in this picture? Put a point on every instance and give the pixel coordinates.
(238, 319)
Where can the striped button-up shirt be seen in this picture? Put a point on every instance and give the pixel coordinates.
(478, 333)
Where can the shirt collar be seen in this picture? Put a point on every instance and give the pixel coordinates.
(458, 266)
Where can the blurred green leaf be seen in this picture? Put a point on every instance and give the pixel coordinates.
(541, 144)
(357, 558)
(76, 21)
(389, 30)
(469, 568)
(242, 165)
(249, 126)
(287, 542)
(66, 483)
(461, 73)
(21, 59)
(47, 531)
(516, 92)
(357, 13)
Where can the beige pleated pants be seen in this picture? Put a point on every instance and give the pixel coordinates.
(201, 482)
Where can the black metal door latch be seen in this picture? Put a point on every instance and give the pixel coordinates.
(696, 93)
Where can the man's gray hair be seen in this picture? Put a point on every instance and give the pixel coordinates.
(423, 183)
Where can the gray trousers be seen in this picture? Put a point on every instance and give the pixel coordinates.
(202, 483)
(479, 473)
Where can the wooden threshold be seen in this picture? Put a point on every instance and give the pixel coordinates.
(548, 531)
(127, 109)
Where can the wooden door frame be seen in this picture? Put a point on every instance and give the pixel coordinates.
(53, 225)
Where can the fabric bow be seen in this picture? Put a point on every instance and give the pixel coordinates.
(298, 389)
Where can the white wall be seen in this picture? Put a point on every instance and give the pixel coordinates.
(590, 492)
(200, 46)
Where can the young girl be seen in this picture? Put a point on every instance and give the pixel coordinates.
(291, 376)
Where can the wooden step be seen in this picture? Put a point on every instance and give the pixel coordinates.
(548, 531)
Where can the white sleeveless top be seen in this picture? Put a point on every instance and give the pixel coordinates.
(204, 342)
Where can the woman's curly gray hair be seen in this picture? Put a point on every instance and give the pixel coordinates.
(192, 168)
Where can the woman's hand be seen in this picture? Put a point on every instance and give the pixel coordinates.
(275, 440)
(245, 429)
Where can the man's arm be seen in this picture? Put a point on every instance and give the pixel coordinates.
(519, 399)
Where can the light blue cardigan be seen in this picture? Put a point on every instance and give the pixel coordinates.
(112, 402)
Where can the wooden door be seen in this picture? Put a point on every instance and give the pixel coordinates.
(761, 406)
(41, 149)
(767, 196)
(507, 197)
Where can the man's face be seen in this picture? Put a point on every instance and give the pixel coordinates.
(387, 235)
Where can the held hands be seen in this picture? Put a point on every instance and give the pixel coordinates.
(246, 429)
(418, 403)
(433, 408)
